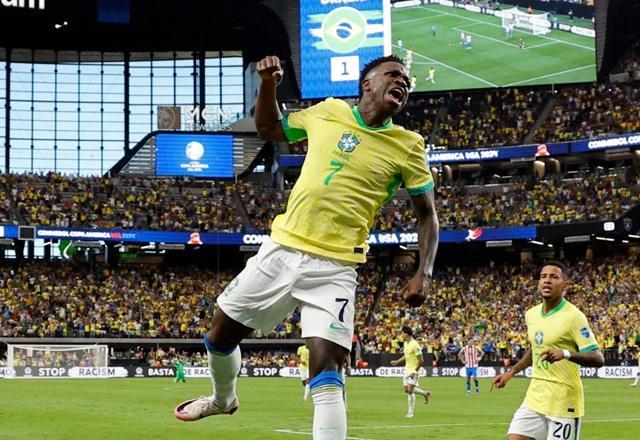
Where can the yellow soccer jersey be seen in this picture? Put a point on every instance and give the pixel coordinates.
(349, 172)
(303, 357)
(412, 356)
(556, 389)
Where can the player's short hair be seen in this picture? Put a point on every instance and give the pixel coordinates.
(373, 64)
(559, 265)
(407, 330)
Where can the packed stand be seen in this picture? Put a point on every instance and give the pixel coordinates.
(61, 300)
(262, 203)
(587, 112)
(489, 303)
(124, 202)
(502, 117)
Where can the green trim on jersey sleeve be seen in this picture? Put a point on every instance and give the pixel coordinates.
(590, 348)
(292, 133)
(421, 190)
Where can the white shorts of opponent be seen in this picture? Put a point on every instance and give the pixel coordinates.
(304, 374)
(279, 278)
(529, 423)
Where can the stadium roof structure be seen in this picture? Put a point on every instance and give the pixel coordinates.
(145, 25)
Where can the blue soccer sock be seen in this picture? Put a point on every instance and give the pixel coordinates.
(329, 415)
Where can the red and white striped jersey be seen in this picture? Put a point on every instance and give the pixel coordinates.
(470, 354)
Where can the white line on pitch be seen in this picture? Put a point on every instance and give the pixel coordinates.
(454, 69)
(517, 30)
(549, 74)
(549, 43)
(416, 19)
(294, 432)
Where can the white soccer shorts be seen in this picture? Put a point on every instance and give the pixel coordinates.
(411, 379)
(304, 374)
(529, 423)
(279, 278)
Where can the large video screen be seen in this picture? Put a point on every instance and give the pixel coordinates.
(195, 155)
(337, 38)
(452, 46)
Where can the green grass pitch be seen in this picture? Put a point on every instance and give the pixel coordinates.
(272, 408)
(494, 60)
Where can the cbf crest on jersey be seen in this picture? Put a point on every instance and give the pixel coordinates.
(348, 142)
(539, 336)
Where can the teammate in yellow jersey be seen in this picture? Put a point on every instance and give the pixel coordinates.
(303, 367)
(413, 360)
(560, 341)
(357, 158)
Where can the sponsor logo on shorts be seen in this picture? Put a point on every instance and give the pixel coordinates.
(339, 327)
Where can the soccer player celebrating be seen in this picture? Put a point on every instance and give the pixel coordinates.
(356, 160)
(561, 341)
(303, 366)
(470, 355)
(413, 360)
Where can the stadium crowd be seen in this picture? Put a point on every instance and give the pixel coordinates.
(502, 117)
(167, 204)
(485, 303)
(123, 202)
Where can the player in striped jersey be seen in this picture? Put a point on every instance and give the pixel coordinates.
(470, 355)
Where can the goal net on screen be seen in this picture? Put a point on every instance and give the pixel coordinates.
(538, 24)
(57, 356)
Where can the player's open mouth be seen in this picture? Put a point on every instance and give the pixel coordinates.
(397, 95)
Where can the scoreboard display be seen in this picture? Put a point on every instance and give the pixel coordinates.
(196, 155)
(336, 40)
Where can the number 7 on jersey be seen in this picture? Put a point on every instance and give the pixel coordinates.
(338, 166)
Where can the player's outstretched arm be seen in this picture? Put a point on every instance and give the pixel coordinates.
(592, 358)
(268, 116)
(428, 227)
(501, 380)
(398, 361)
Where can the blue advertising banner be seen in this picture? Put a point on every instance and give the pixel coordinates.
(466, 156)
(336, 40)
(498, 153)
(239, 238)
(196, 155)
(622, 141)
